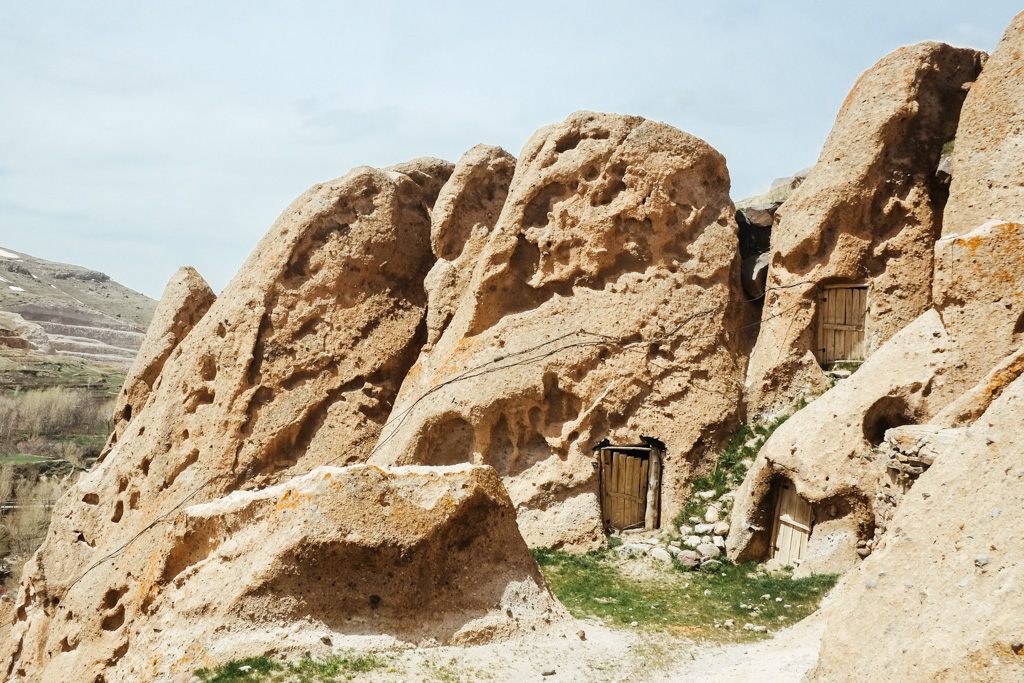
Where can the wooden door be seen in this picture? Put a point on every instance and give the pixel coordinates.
(792, 525)
(841, 315)
(624, 482)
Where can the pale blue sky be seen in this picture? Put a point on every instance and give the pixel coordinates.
(139, 136)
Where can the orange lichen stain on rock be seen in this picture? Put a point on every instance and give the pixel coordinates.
(149, 581)
(1002, 379)
(292, 500)
(455, 362)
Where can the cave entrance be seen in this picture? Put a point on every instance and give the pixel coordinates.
(630, 484)
(842, 315)
(792, 525)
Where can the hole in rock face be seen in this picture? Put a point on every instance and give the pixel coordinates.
(133, 501)
(887, 413)
(208, 369)
(126, 414)
(114, 621)
(1018, 329)
(568, 142)
(111, 598)
(91, 499)
(536, 213)
(145, 467)
(452, 440)
(118, 512)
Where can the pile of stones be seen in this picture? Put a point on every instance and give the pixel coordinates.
(701, 542)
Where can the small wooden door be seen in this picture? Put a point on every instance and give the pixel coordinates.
(841, 315)
(624, 484)
(792, 525)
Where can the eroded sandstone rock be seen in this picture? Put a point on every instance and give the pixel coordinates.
(185, 300)
(938, 599)
(294, 366)
(988, 156)
(357, 557)
(465, 213)
(868, 213)
(601, 306)
(825, 449)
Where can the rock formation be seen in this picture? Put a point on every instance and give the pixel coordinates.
(954, 542)
(825, 450)
(868, 213)
(462, 220)
(18, 333)
(185, 301)
(339, 557)
(979, 290)
(988, 156)
(602, 305)
(294, 366)
(941, 599)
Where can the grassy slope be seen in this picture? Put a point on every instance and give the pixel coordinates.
(599, 585)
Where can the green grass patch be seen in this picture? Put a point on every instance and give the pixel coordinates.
(306, 670)
(21, 459)
(593, 585)
(948, 146)
(240, 671)
(730, 467)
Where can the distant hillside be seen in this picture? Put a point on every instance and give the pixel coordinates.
(60, 309)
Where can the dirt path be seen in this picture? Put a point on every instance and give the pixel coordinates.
(614, 656)
(784, 658)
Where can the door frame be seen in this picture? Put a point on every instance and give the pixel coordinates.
(654, 450)
(778, 486)
(819, 316)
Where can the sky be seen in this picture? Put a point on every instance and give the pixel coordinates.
(136, 137)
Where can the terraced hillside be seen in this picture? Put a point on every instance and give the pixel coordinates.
(60, 309)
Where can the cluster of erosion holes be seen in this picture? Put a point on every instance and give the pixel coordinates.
(302, 266)
(113, 619)
(515, 441)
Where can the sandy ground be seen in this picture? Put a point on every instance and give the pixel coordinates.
(613, 655)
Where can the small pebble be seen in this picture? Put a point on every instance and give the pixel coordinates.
(870, 584)
(548, 672)
(633, 623)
